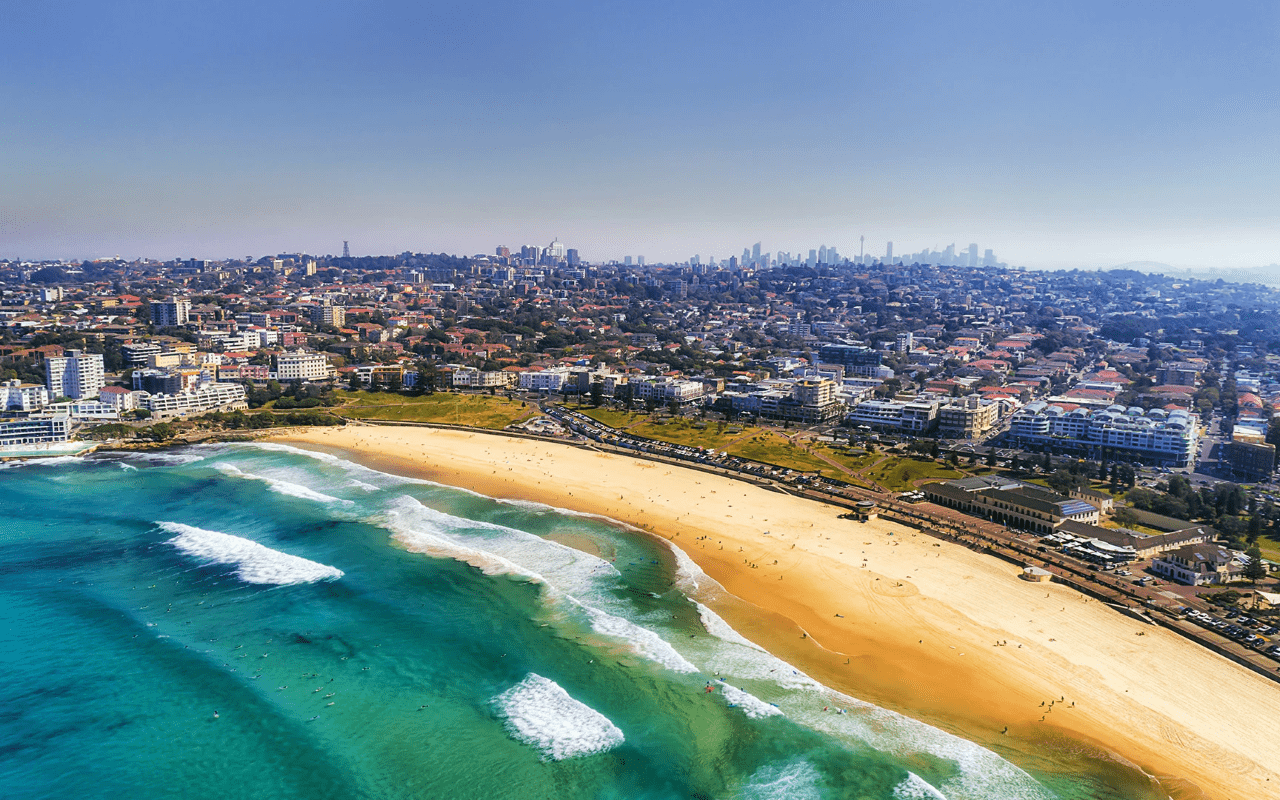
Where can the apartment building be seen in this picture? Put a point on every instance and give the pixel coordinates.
(24, 397)
(76, 375)
(298, 365)
(35, 431)
(1157, 435)
(967, 417)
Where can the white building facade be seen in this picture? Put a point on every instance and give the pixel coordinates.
(76, 375)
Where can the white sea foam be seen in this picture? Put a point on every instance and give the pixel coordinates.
(51, 461)
(797, 780)
(350, 467)
(751, 705)
(541, 714)
(257, 563)
(496, 548)
(571, 577)
(283, 487)
(359, 484)
(690, 578)
(641, 640)
(915, 788)
(716, 626)
(980, 773)
(172, 459)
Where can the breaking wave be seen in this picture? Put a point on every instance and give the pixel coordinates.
(283, 487)
(539, 713)
(256, 563)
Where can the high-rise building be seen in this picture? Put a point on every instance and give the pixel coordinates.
(626, 261)
(989, 259)
(171, 313)
(571, 255)
(76, 375)
(973, 255)
(328, 314)
(906, 340)
(888, 253)
(640, 260)
(755, 252)
(504, 252)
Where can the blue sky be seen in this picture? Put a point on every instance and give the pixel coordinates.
(1073, 134)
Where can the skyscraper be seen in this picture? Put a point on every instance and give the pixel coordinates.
(973, 255)
(888, 253)
(755, 252)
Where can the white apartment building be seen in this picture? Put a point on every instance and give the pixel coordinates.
(550, 380)
(665, 390)
(118, 397)
(26, 397)
(76, 375)
(209, 397)
(50, 429)
(1167, 437)
(87, 410)
(473, 378)
(299, 365)
(915, 416)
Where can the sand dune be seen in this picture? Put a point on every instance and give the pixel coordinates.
(896, 617)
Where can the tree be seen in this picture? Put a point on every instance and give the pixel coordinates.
(597, 394)
(1255, 528)
(1256, 569)
(992, 459)
(934, 452)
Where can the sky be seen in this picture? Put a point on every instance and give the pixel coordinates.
(1062, 135)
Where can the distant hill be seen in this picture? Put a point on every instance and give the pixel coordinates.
(1149, 267)
(1269, 275)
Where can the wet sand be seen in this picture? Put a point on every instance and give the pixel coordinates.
(895, 617)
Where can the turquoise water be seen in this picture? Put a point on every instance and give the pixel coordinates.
(257, 621)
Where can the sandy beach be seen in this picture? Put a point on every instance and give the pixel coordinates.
(893, 616)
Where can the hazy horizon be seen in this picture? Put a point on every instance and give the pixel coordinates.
(1085, 136)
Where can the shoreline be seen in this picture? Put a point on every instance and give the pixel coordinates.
(892, 616)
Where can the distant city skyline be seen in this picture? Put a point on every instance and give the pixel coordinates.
(1085, 135)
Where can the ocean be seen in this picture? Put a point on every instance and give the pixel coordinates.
(259, 621)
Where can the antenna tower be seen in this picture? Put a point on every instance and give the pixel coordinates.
(346, 251)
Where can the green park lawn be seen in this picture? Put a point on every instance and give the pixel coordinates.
(614, 419)
(478, 411)
(900, 474)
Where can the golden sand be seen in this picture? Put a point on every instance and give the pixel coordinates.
(893, 616)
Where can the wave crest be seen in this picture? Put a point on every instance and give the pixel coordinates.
(257, 563)
(541, 714)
